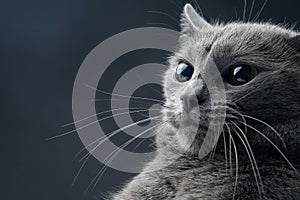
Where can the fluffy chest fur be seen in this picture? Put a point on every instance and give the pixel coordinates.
(189, 178)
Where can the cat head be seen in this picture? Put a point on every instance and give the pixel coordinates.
(259, 67)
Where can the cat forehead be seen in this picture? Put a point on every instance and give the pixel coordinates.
(237, 38)
(244, 31)
(255, 29)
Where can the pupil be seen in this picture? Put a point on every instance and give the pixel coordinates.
(185, 71)
(242, 74)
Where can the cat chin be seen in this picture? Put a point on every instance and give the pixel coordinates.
(190, 130)
(189, 137)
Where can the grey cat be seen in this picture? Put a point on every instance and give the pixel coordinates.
(257, 154)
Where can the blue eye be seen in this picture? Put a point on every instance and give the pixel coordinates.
(184, 72)
(240, 74)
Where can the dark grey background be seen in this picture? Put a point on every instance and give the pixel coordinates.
(42, 44)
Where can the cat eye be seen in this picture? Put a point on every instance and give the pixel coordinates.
(184, 72)
(240, 74)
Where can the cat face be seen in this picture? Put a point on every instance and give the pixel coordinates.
(258, 64)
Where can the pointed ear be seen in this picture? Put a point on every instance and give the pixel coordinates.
(191, 20)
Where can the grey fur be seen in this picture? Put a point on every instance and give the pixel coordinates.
(273, 96)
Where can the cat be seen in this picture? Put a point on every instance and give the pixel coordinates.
(257, 154)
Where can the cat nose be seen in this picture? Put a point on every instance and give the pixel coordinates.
(189, 101)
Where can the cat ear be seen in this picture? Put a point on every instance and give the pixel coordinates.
(191, 21)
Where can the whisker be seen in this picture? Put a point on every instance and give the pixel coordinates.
(137, 101)
(249, 93)
(164, 24)
(103, 112)
(198, 7)
(244, 10)
(113, 155)
(124, 96)
(165, 14)
(236, 15)
(97, 140)
(275, 146)
(225, 152)
(177, 5)
(139, 144)
(230, 152)
(236, 161)
(132, 100)
(85, 148)
(242, 116)
(80, 169)
(88, 155)
(276, 132)
(108, 136)
(153, 89)
(260, 11)
(91, 123)
(213, 152)
(251, 10)
(236, 167)
(100, 173)
(252, 160)
(144, 139)
(180, 3)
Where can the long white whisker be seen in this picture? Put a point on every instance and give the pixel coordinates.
(260, 11)
(117, 151)
(153, 89)
(249, 93)
(127, 100)
(276, 132)
(103, 112)
(116, 132)
(236, 167)
(198, 7)
(236, 15)
(275, 146)
(109, 135)
(251, 10)
(91, 123)
(164, 24)
(245, 10)
(80, 169)
(213, 152)
(225, 152)
(113, 154)
(236, 161)
(144, 139)
(230, 151)
(97, 140)
(242, 116)
(180, 3)
(176, 5)
(165, 14)
(124, 96)
(253, 160)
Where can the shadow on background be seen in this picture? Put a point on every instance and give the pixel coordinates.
(42, 44)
